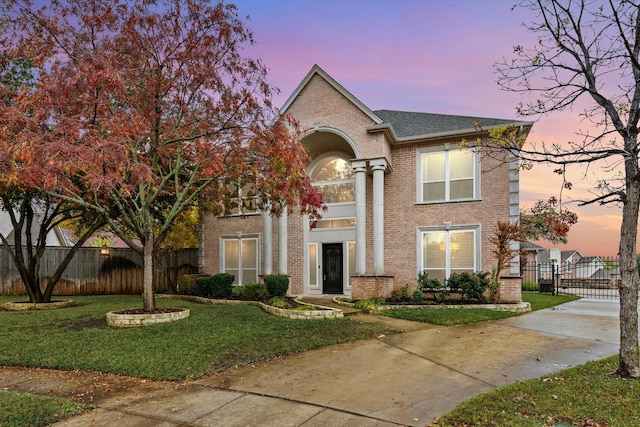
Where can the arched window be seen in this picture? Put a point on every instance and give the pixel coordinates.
(334, 176)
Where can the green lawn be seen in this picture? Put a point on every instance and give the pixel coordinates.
(212, 338)
(586, 395)
(31, 410)
(216, 337)
(456, 316)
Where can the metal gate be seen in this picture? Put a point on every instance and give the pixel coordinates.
(593, 278)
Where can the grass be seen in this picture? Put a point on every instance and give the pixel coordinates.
(586, 395)
(214, 337)
(30, 410)
(455, 316)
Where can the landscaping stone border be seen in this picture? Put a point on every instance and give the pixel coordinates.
(26, 305)
(124, 320)
(320, 313)
(521, 307)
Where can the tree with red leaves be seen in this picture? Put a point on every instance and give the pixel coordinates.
(547, 220)
(32, 213)
(153, 109)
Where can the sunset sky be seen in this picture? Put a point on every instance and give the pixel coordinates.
(427, 56)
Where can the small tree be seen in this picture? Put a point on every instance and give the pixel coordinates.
(504, 236)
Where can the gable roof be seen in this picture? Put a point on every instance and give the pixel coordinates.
(316, 70)
(530, 246)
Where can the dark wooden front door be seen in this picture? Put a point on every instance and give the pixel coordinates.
(332, 268)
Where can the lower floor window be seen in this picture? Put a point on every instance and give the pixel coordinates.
(240, 258)
(445, 252)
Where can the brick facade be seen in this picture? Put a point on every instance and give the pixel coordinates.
(337, 123)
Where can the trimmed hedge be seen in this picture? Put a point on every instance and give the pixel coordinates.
(216, 286)
(277, 284)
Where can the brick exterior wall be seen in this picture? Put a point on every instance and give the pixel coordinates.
(320, 106)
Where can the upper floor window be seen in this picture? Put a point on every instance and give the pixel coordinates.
(243, 200)
(334, 176)
(448, 176)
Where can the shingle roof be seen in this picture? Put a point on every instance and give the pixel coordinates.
(407, 124)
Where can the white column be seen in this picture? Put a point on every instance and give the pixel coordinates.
(267, 231)
(360, 169)
(378, 166)
(283, 252)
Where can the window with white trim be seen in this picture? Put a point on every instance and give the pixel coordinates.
(447, 176)
(444, 252)
(351, 259)
(243, 200)
(335, 178)
(240, 258)
(313, 264)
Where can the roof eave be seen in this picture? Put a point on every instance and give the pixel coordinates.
(387, 129)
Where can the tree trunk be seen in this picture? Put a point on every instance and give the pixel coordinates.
(629, 365)
(147, 295)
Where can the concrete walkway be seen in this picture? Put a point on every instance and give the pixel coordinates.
(405, 379)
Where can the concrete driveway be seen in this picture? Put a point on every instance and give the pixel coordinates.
(414, 377)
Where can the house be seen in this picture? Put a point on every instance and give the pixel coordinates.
(58, 236)
(403, 196)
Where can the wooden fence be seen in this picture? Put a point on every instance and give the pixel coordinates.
(93, 273)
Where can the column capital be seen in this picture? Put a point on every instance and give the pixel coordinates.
(379, 164)
(359, 165)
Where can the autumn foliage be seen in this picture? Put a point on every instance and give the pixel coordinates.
(143, 109)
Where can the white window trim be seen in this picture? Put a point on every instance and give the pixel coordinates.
(447, 148)
(476, 228)
(223, 238)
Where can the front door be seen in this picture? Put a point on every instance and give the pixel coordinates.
(332, 268)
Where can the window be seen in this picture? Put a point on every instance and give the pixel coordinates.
(351, 248)
(448, 251)
(240, 258)
(313, 264)
(243, 200)
(448, 176)
(335, 223)
(334, 176)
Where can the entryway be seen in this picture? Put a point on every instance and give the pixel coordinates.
(332, 268)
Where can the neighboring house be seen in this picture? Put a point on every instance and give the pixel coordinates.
(57, 237)
(570, 264)
(590, 267)
(403, 197)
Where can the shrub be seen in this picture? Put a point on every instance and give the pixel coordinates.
(187, 284)
(277, 284)
(251, 292)
(470, 285)
(424, 283)
(530, 286)
(221, 285)
(400, 295)
(279, 302)
(203, 286)
(432, 286)
(418, 296)
(369, 305)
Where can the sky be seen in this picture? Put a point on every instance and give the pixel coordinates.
(429, 56)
